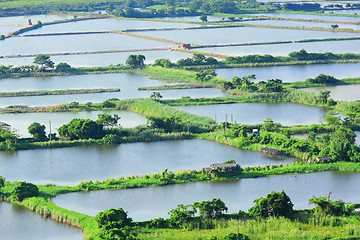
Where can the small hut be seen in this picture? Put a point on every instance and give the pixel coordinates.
(2, 124)
(224, 167)
(185, 45)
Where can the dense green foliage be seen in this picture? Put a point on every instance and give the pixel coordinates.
(135, 61)
(38, 131)
(336, 208)
(275, 204)
(81, 129)
(24, 190)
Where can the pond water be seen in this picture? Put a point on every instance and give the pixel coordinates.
(107, 24)
(19, 223)
(128, 84)
(285, 49)
(301, 16)
(345, 11)
(293, 73)
(74, 43)
(339, 93)
(23, 20)
(20, 121)
(10, 24)
(250, 113)
(241, 35)
(103, 59)
(301, 24)
(149, 203)
(69, 166)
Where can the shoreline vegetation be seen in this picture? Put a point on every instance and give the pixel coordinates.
(334, 140)
(57, 92)
(42, 204)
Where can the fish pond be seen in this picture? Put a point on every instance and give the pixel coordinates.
(127, 83)
(242, 35)
(19, 223)
(339, 93)
(284, 49)
(251, 113)
(154, 202)
(69, 166)
(293, 73)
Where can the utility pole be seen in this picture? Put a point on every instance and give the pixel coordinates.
(329, 193)
(50, 130)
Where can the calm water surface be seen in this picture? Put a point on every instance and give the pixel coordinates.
(128, 84)
(149, 203)
(250, 113)
(19, 223)
(301, 24)
(339, 93)
(107, 25)
(21, 121)
(329, 18)
(293, 73)
(68, 166)
(285, 49)
(74, 43)
(241, 35)
(10, 24)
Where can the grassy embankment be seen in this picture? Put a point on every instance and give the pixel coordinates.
(57, 92)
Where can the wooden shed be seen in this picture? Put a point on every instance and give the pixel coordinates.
(2, 124)
(185, 45)
(224, 167)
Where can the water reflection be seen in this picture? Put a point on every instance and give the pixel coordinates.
(19, 223)
(148, 203)
(68, 166)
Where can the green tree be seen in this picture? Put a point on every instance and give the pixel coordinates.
(81, 129)
(115, 224)
(2, 182)
(163, 63)
(274, 204)
(38, 131)
(135, 61)
(107, 120)
(2, 37)
(270, 126)
(211, 209)
(113, 218)
(335, 208)
(203, 76)
(182, 214)
(156, 95)
(63, 67)
(203, 18)
(332, 118)
(198, 58)
(44, 61)
(24, 190)
(324, 96)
